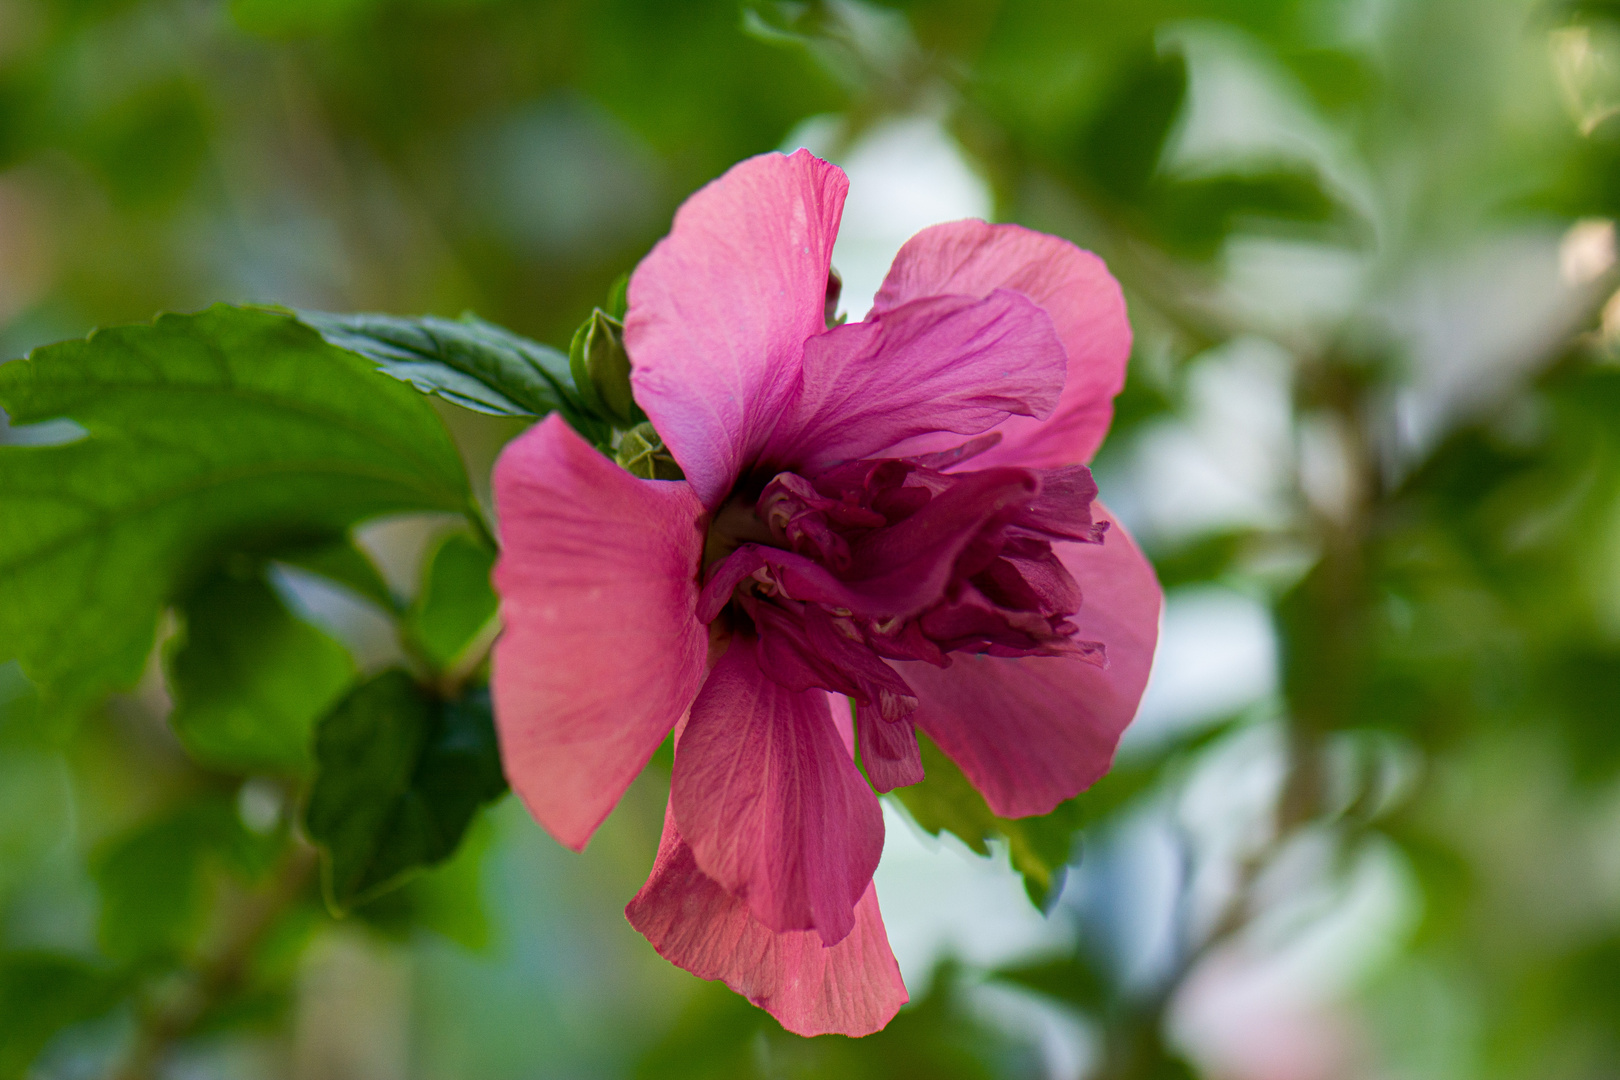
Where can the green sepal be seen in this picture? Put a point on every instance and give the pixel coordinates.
(578, 371)
(400, 774)
(642, 453)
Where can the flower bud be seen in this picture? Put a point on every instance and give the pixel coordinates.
(829, 307)
(601, 367)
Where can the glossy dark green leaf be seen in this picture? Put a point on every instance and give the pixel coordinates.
(1040, 847)
(474, 364)
(40, 994)
(250, 679)
(207, 433)
(456, 600)
(399, 777)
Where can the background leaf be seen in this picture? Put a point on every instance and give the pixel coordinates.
(41, 993)
(153, 880)
(249, 678)
(456, 599)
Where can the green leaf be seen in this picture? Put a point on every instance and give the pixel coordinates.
(469, 362)
(400, 775)
(40, 994)
(227, 430)
(456, 600)
(250, 679)
(1040, 847)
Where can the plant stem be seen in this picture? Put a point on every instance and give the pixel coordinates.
(214, 978)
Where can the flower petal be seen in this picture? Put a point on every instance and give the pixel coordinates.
(944, 363)
(1032, 732)
(889, 750)
(972, 258)
(767, 794)
(601, 652)
(851, 988)
(721, 309)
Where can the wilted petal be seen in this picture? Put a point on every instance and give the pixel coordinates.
(851, 988)
(767, 794)
(948, 363)
(601, 652)
(971, 258)
(721, 309)
(1032, 732)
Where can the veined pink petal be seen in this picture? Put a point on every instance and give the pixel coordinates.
(1032, 732)
(768, 796)
(601, 651)
(851, 988)
(972, 258)
(944, 363)
(721, 309)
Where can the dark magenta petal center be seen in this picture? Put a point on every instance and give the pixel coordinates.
(894, 559)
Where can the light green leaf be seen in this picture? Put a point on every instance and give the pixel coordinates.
(400, 776)
(227, 430)
(250, 679)
(1040, 847)
(456, 600)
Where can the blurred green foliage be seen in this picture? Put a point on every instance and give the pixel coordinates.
(1447, 611)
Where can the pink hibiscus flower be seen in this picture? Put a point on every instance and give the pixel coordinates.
(891, 511)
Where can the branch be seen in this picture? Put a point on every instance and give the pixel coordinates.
(213, 979)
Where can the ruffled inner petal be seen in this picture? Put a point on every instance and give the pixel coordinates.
(947, 363)
(1030, 732)
(1087, 308)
